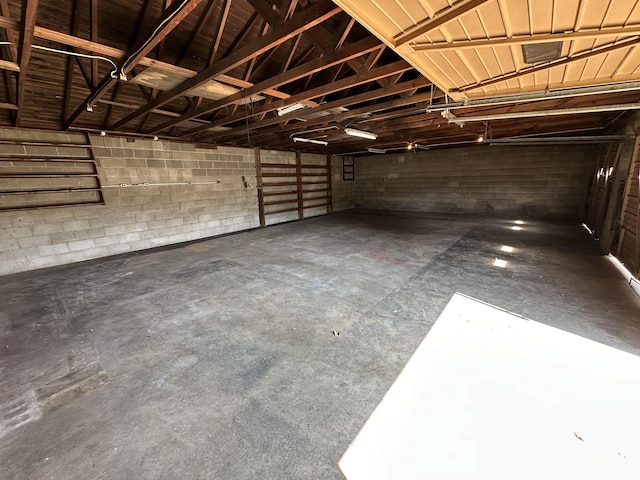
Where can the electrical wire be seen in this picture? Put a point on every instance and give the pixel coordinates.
(74, 54)
(150, 184)
(158, 28)
(246, 116)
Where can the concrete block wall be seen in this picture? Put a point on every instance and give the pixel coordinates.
(343, 192)
(528, 181)
(135, 217)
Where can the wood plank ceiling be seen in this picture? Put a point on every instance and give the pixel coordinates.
(221, 71)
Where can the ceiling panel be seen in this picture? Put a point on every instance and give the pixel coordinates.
(473, 48)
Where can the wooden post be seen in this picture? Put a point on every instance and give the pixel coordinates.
(256, 152)
(329, 190)
(299, 186)
(627, 193)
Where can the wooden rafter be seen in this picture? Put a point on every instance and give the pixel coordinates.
(301, 22)
(591, 34)
(195, 33)
(132, 41)
(13, 55)
(219, 29)
(345, 32)
(325, 41)
(108, 51)
(353, 100)
(266, 11)
(160, 46)
(242, 35)
(354, 50)
(372, 76)
(93, 16)
(28, 21)
(442, 17)
(11, 34)
(366, 97)
(75, 24)
(167, 22)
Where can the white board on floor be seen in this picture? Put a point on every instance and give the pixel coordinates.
(490, 395)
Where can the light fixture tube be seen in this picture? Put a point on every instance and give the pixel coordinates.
(360, 133)
(310, 140)
(290, 108)
(376, 150)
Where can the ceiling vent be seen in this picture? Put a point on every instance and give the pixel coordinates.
(541, 52)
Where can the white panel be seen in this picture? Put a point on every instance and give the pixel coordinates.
(489, 395)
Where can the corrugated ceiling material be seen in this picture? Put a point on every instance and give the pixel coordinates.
(473, 48)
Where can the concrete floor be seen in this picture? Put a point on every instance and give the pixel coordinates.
(218, 359)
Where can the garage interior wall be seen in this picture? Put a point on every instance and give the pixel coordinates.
(166, 211)
(613, 206)
(137, 217)
(531, 181)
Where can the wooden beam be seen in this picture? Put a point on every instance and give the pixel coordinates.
(93, 17)
(87, 45)
(352, 51)
(305, 20)
(256, 152)
(11, 34)
(554, 63)
(353, 100)
(390, 104)
(195, 33)
(132, 41)
(75, 23)
(167, 22)
(8, 65)
(345, 33)
(28, 21)
(221, 21)
(441, 17)
(266, 11)
(372, 76)
(590, 34)
(12, 49)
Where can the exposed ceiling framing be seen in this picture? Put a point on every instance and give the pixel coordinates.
(219, 71)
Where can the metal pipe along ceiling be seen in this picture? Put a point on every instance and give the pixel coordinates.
(539, 113)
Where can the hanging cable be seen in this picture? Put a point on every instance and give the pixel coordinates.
(149, 40)
(246, 116)
(114, 72)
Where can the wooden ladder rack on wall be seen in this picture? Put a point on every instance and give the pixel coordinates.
(292, 187)
(36, 175)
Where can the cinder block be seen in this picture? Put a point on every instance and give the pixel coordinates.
(56, 249)
(47, 228)
(81, 245)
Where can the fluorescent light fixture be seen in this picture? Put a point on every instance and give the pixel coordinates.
(584, 225)
(516, 228)
(360, 133)
(506, 248)
(290, 108)
(376, 150)
(519, 222)
(310, 140)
